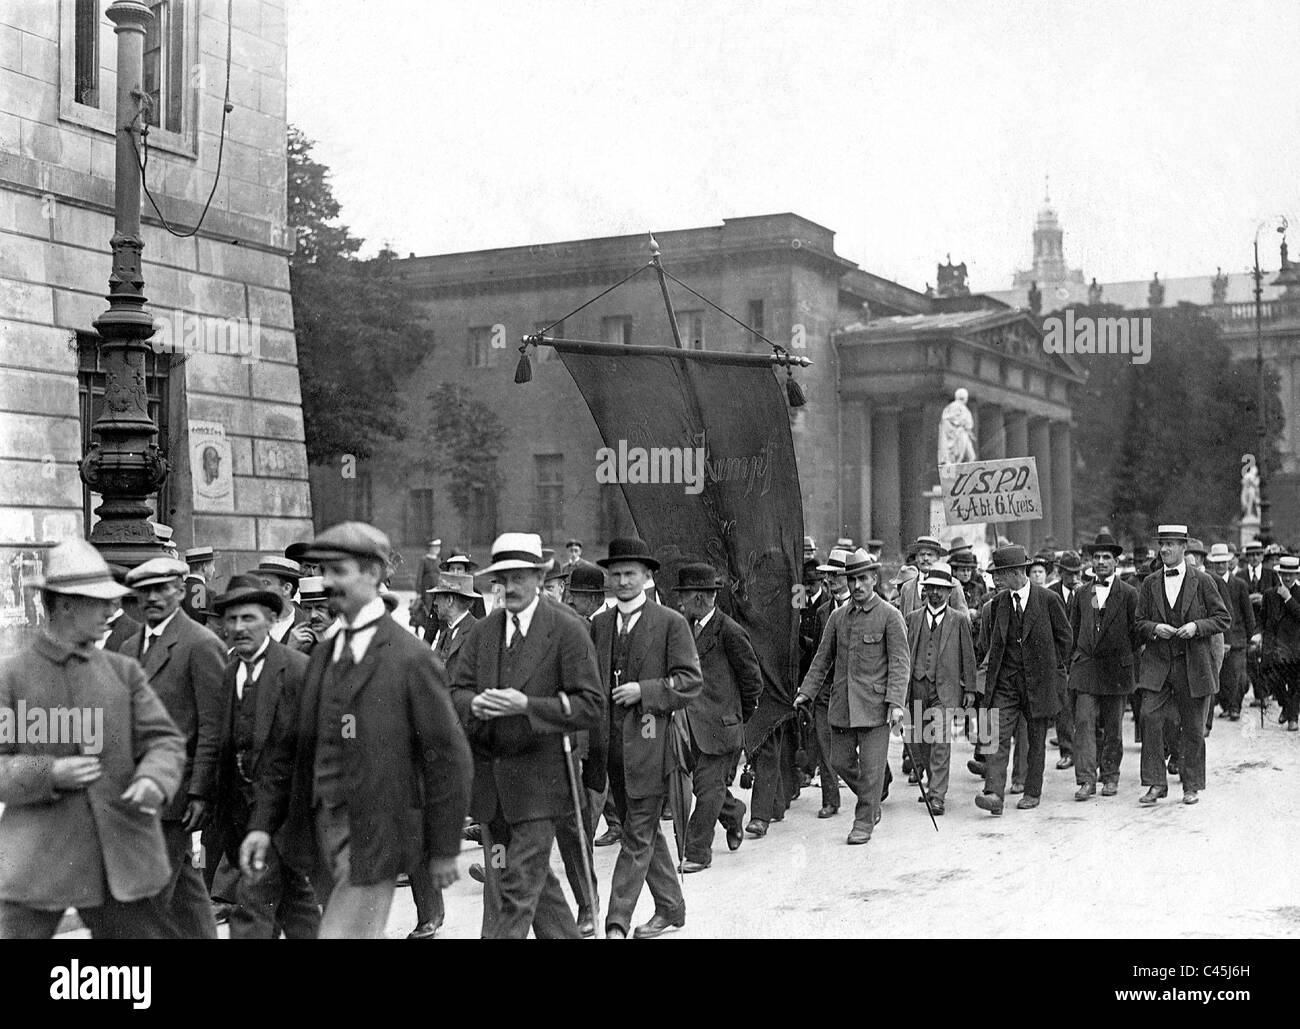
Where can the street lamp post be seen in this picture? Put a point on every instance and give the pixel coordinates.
(124, 464)
(1265, 526)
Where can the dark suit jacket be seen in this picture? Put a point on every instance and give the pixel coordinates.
(451, 642)
(185, 668)
(278, 690)
(1198, 601)
(1057, 587)
(1280, 626)
(124, 627)
(408, 765)
(732, 684)
(519, 760)
(1045, 629)
(956, 657)
(662, 658)
(194, 602)
(1105, 647)
(1236, 595)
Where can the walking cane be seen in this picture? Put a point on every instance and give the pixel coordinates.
(588, 875)
(920, 776)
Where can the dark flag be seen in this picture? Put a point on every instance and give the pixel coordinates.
(716, 426)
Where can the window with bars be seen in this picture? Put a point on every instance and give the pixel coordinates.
(419, 517)
(91, 384)
(480, 346)
(164, 64)
(85, 52)
(548, 474)
(690, 324)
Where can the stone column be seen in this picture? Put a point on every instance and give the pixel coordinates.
(1017, 445)
(1063, 484)
(865, 526)
(1040, 448)
(886, 488)
(991, 438)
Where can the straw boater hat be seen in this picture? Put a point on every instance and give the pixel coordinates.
(247, 589)
(156, 572)
(1219, 553)
(939, 575)
(629, 548)
(77, 569)
(876, 545)
(1253, 547)
(516, 550)
(586, 577)
(310, 588)
(1288, 565)
(929, 543)
(273, 564)
(1177, 533)
(198, 555)
(460, 584)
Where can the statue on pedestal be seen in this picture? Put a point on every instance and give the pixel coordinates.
(1249, 489)
(957, 431)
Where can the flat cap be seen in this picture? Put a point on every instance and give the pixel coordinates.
(350, 539)
(155, 572)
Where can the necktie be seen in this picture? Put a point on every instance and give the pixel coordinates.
(696, 626)
(517, 640)
(1171, 571)
(1016, 615)
(934, 622)
(144, 647)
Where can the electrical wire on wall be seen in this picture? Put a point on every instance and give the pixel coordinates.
(143, 162)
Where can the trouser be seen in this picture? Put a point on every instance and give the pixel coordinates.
(616, 795)
(113, 920)
(185, 897)
(825, 773)
(352, 912)
(1174, 701)
(860, 757)
(1066, 739)
(520, 890)
(429, 906)
(282, 899)
(644, 859)
(1283, 682)
(774, 774)
(1019, 759)
(1219, 652)
(571, 847)
(932, 739)
(1232, 681)
(1012, 705)
(1098, 715)
(713, 803)
(1135, 701)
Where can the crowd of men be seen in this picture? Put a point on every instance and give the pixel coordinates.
(325, 754)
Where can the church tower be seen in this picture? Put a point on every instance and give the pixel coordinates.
(1049, 267)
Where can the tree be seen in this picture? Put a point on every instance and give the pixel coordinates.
(467, 437)
(1162, 441)
(358, 333)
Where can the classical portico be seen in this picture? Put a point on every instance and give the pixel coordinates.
(896, 376)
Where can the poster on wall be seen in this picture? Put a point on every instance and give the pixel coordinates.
(211, 468)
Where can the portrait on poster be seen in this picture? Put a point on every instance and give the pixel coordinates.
(211, 467)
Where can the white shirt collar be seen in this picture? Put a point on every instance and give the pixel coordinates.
(1023, 594)
(631, 607)
(368, 618)
(936, 615)
(157, 630)
(525, 619)
(1177, 569)
(457, 620)
(705, 620)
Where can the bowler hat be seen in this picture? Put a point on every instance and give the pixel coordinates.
(585, 577)
(76, 568)
(1005, 558)
(297, 551)
(958, 545)
(246, 589)
(963, 558)
(513, 551)
(460, 584)
(1104, 542)
(350, 539)
(155, 572)
(1070, 562)
(697, 577)
(810, 565)
(1045, 557)
(629, 548)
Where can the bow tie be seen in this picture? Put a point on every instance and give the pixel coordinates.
(1173, 571)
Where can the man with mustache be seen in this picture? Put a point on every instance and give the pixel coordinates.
(185, 663)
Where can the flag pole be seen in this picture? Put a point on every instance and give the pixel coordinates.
(663, 287)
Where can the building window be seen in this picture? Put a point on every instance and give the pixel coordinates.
(480, 346)
(690, 324)
(91, 383)
(164, 64)
(617, 329)
(363, 497)
(482, 516)
(545, 353)
(756, 315)
(548, 472)
(85, 51)
(419, 517)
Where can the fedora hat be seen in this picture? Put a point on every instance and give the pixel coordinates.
(350, 539)
(629, 548)
(1219, 552)
(555, 571)
(698, 576)
(939, 575)
(155, 572)
(459, 559)
(585, 577)
(1177, 533)
(1070, 562)
(1195, 546)
(964, 558)
(1006, 558)
(1045, 557)
(905, 574)
(283, 567)
(860, 561)
(247, 589)
(77, 569)
(1104, 541)
(835, 562)
(310, 588)
(516, 550)
(929, 543)
(958, 545)
(460, 584)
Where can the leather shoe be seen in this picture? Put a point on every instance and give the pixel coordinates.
(976, 768)
(425, 931)
(608, 838)
(693, 866)
(1293, 726)
(1066, 761)
(1109, 789)
(989, 802)
(736, 834)
(828, 812)
(857, 835)
(657, 926)
(1190, 797)
(1155, 793)
(1027, 802)
(936, 806)
(756, 827)
(1173, 767)
(476, 873)
(613, 932)
(1085, 792)
(1017, 787)
(586, 924)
